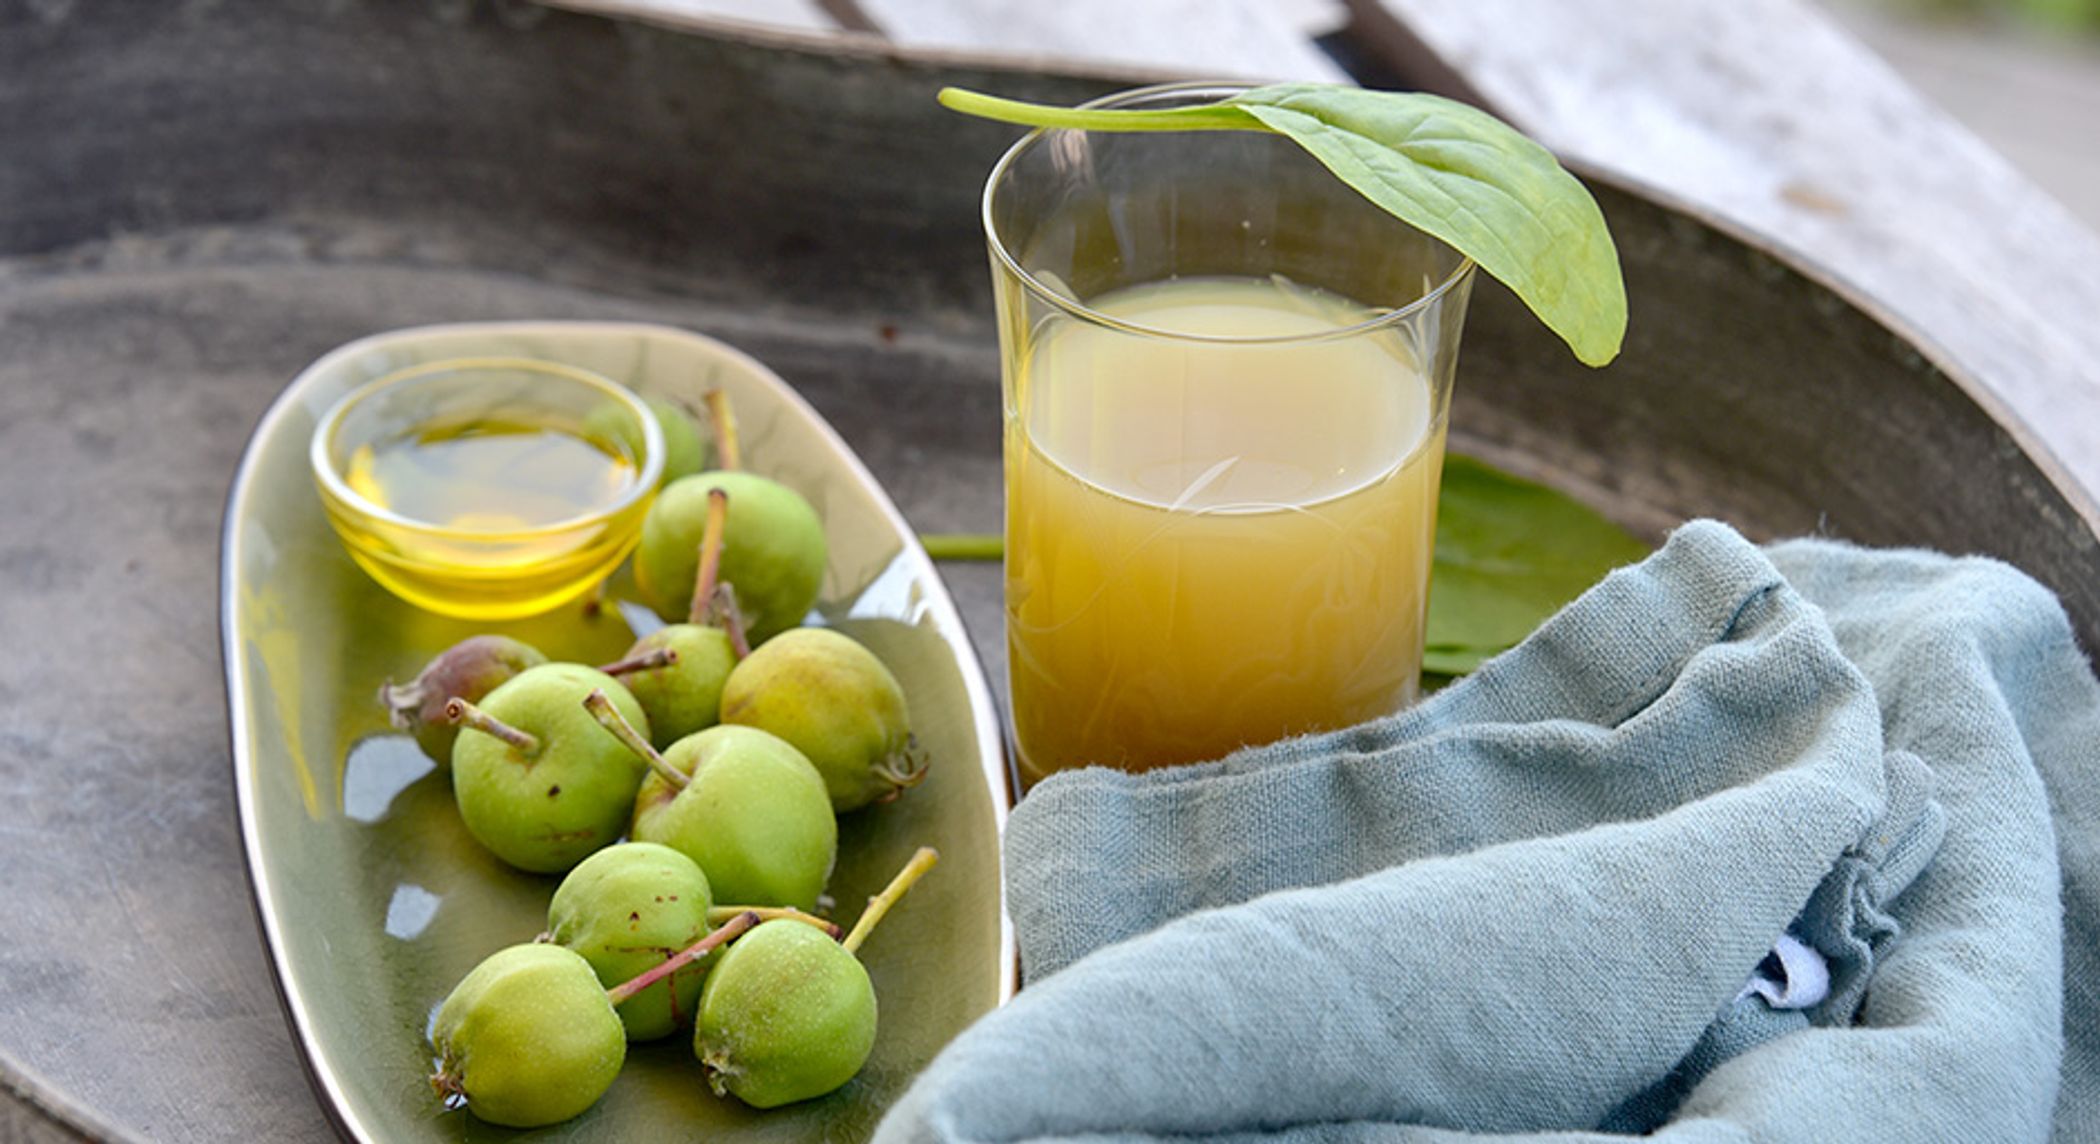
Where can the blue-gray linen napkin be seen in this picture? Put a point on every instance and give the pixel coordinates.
(1529, 907)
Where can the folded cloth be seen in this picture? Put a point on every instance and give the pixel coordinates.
(1528, 908)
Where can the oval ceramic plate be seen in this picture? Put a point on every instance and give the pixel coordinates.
(373, 899)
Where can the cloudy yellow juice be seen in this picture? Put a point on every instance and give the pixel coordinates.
(1212, 539)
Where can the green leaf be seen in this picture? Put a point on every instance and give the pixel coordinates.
(1509, 553)
(1472, 181)
(1441, 166)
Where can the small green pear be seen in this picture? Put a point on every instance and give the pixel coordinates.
(683, 695)
(676, 673)
(787, 1014)
(744, 805)
(773, 550)
(537, 780)
(837, 704)
(528, 1038)
(626, 909)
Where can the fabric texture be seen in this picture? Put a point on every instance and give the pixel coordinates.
(1528, 908)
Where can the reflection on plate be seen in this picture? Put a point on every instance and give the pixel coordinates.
(373, 898)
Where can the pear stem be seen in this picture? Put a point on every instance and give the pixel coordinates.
(721, 914)
(710, 554)
(609, 717)
(880, 904)
(647, 661)
(718, 411)
(730, 931)
(724, 614)
(465, 714)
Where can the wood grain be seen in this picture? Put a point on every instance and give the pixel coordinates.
(1237, 40)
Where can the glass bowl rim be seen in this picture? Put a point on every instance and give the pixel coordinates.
(335, 487)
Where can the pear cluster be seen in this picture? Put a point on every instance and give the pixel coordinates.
(706, 766)
(778, 1005)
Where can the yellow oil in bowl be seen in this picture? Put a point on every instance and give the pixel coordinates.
(488, 488)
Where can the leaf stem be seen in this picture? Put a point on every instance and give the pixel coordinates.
(465, 714)
(880, 904)
(1201, 117)
(964, 545)
(729, 932)
(609, 717)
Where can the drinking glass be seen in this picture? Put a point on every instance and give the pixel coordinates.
(1226, 381)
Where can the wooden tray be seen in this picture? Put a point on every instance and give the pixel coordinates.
(200, 199)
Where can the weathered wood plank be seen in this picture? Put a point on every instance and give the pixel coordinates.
(1245, 39)
(1312, 18)
(1766, 113)
(799, 15)
(1240, 39)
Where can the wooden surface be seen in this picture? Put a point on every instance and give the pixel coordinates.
(241, 186)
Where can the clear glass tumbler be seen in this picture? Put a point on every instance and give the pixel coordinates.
(1227, 377)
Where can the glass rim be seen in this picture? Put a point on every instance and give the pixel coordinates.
(1073, 307)
(321, 458)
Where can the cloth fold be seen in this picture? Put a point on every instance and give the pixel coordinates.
(1528, 907)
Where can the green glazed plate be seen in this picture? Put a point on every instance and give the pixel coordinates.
(373, 899)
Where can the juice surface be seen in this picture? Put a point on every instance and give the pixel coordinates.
(1213, 544)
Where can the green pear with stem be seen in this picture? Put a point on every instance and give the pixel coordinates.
(773, 547)
(468, 670)
(537, 780)
(633, 905)
(677, 672)
(531, 1038)
(788, 1015)
(742, 803)
(528, 1038)
(837, 703)
(627, 908)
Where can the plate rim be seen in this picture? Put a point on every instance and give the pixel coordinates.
(939, 606)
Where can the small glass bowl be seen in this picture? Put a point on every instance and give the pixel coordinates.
(503, 565)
